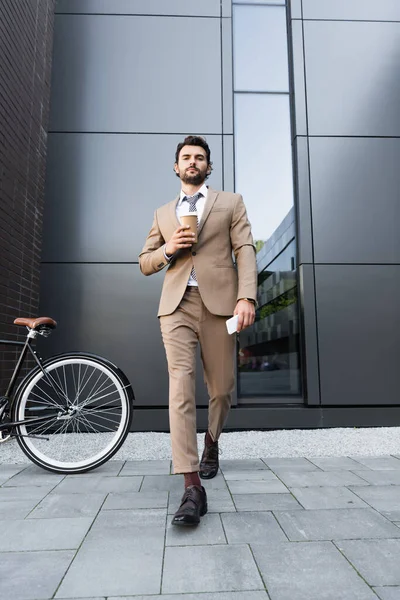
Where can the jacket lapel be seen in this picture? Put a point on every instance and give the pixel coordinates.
(172, 212)
(211, 198)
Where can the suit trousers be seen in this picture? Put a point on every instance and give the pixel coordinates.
(191, 323)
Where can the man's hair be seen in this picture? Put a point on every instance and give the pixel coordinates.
(194, 140)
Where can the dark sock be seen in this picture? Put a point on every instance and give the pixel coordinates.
(192, 479)
(209, 440)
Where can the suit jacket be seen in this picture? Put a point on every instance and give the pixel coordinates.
(224, 228)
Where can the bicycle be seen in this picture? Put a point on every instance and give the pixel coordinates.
(72, 412)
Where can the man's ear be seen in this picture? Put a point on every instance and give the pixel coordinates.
(176, 169)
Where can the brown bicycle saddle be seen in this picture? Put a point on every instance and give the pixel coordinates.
(34, 323)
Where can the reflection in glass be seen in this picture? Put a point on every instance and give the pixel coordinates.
(260, 48)
(268, 358)
(263, 159)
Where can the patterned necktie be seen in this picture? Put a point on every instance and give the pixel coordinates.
(192, 208)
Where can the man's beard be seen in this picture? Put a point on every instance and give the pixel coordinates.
(196, 178)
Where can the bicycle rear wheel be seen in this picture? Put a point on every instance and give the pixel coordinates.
(77, 413)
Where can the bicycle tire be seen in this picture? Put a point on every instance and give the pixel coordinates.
(80, 430)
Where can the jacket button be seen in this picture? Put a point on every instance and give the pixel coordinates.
(193, 253)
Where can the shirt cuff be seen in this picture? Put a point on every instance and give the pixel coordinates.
(168, 258)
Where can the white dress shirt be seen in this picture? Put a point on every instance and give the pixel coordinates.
(182, 207)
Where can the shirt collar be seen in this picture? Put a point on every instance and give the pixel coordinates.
(203, 190)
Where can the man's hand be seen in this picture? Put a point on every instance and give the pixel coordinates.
(181, 238)
(246, 312)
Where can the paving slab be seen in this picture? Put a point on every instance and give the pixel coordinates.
(388, 593)
(250, 464)
(86, 484)
(263, 502)
(16, 509)
(258, 475)
(210, 531)
(121, 556)
(309, 571)
(376, 560)
(146, 467)
(291, 464)
(25, 493)
(334, 463)
(327, 497)
(68, 505)
(272, 486)
(196, 569)
(8, 471)
(129, 500)
(218, 501)
(170, 483)
(379, 463)
(32, 575)
(335, 524)
(29, 534)
(320, 478)
(35, 476)
(259, 595)
(384, 477)
(384, 498)
(252, 528)
(111, 468)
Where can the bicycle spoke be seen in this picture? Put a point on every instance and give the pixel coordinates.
(88, 414)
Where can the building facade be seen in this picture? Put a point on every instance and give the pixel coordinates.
(26, 39)
(299, 103)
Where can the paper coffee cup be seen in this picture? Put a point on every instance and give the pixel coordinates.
(191, 220)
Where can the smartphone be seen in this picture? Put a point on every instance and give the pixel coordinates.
(232, 324)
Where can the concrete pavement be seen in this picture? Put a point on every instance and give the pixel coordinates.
(278, 529)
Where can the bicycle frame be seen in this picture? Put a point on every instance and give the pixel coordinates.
(8, 397)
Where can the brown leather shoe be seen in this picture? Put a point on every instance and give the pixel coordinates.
(209, 463)
(193, 506)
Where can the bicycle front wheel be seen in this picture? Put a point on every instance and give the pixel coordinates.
(77, 412)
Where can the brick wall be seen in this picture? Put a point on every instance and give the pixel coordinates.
(26, 35)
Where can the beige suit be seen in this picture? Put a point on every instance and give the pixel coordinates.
(192, 315)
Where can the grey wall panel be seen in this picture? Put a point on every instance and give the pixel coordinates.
(193, 8)
(303, 201)
(359, 10)
(355, 187)
(295, 9)
(229, 179)
(359, 334)
(352, 79)
(111, 310)
(226, 6)
(130, 74)
(102, 191)
(309, 340)
(298, 105)
(227, 76)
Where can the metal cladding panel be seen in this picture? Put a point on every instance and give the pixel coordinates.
(355, 185)
(358, 322)
(111, 310)
(352, 82)
(303, 204)
(355, 10)
(192, 8)
(299, 107)
(130, 73)
(102, 191)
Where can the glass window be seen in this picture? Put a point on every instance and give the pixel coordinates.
(268, 357)
(258, 1)
(263, 159)
(260, 48)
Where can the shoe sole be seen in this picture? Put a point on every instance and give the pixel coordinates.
(206, 476)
